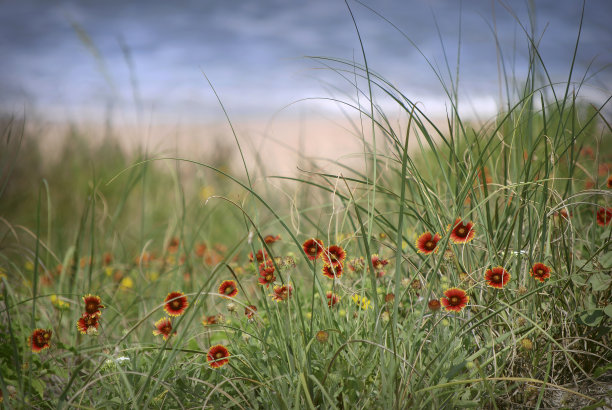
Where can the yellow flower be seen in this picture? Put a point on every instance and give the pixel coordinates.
(29, 266)
(361, 301)
(109, 271)
(206, 192)
(126, 283)
(527, 344)
(58, 303)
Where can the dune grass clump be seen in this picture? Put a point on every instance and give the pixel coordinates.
(472, 272)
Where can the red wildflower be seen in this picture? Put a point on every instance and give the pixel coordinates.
(260, 255)
(175, 303)
(456, 299)
(332, 271)
(427, 243)
(249, 311)
(332, 298)
(563, 215)
(200, 249)
(589, 183)
(587, 152)
(497, 277)
(271, 239)
(164, 328)
(282, 293)
(356, 265)
(218, 356)
(434, 304)
(378, 263)
(540, 272)
(266, 273)
(39, 340)
(173, 245)
(604, 216)
(144, 259)
(313, 248)
(93, 304)
(609, 182)
(107, 258)
(462, 232)
(228, 289)
(334, 255)
(210, 320)
(88, 324)
(85, 261)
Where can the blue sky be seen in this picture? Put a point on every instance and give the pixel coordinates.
(253, 52)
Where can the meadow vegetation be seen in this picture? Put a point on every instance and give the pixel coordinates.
(473, 271)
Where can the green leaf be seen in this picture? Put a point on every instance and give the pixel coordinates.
(608, 310)
(38, 386)
(600, 281)
(602, 370)
(590, 317)
(579, 280)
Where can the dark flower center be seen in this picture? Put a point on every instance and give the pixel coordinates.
(218, 355)
(176, 304)
(269, 278)
(461, 231)
(540, 271)
(496, 277)
(429, 245)
(454, 300)
(229, 290)
(91, 307)
(313, 250)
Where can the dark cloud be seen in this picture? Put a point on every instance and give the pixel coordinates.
(252, 49)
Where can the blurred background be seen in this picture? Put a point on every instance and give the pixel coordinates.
(136, 68)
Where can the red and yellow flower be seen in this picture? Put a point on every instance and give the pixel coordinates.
(175, 303)
(93, 304)
(217, 356)
(455, 299)
(40, 339)
(228, 289)
(434, 304)
(260, 255)
(497, 277)
(313, 248)
(210, 320)
(427, 243)
(604, 216)
(540, 272)
(332, 298)
(88, 324)
(163, 327)
(462, 232)
(269, 239)
(334, 255)
(266, 273)
(282, 293)
(250, 311)
(200, 249)
(379, 263)
(173, 245)
(333, 271)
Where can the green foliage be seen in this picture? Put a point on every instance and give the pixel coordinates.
(130, 229)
